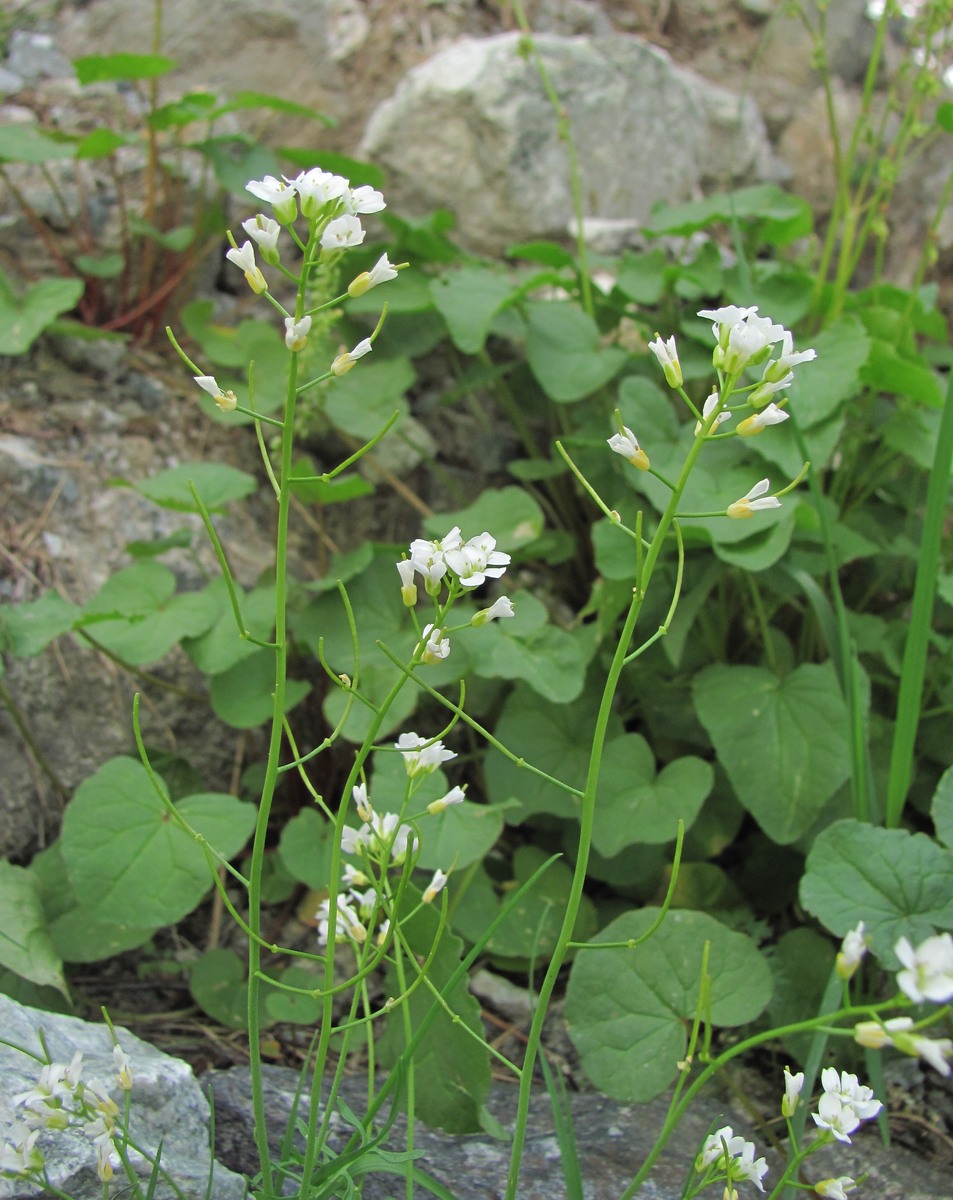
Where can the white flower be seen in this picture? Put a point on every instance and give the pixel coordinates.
(123, 1068)
(781, 366)
(352, 877)
(667, 355)
(835, 1189)
(456, 795)
(725, 319)
(758, 397)
(316, 188)
(436, 645)
(278, 193)
(429, 558)
(437, 884)
(364, 199)
(935, 1051)
(56, 1081)
(388, 834)
(361, 802)
(709, 407)
(476, 560)
(296, 333)
(343, 363)
(422, 757)
(724, 1145)
(772, 415)
(876, 1034)
(347, 924)
(852, 950)
(408, 589)
(245, 259)
(18, 1155)
(353, 841)
(382, 271)
(748, 343)
(844, 1104)
(928, 970)
(626, 444)
(264, 231)
(501, 609)
(342, 233)
(792, 1091)
(226, 401)
(753, 501)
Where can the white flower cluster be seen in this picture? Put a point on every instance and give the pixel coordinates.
(743, 340)
(60, 1100)
(383, 841)
(926, 975)
(726, 1155)
(333, 210)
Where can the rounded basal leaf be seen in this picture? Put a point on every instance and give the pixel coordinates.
(629, 1010)
(942, 808)
(242, 695)
(147, 638)
(782, 742)
(216, 483)
(25, 944)
(305, 848)
(510, 514)
(468, 298)
(132, 592)
(565, 353)
(637, 806)
(293, 1006)
(220, 647)
(129, 861)
(217, 984)
(27, 629)
(899, 884)
(363, 401)
(555, 739)
(550, 660)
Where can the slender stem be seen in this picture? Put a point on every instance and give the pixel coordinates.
(587, 817)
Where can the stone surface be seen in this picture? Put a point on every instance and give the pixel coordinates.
(473, 131)
(167, 1105)
(613, 1139)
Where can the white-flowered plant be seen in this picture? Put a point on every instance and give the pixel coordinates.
(852, 950)
(928, 970)
(844, 1104)
(729, 1157)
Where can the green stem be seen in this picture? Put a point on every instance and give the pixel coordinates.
(271, 779)
(587, 818)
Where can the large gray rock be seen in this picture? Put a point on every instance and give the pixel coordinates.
(472, 130)
(167, 1105)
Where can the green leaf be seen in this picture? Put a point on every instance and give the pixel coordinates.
(364, 400)
(292, 1006)
(179, 539)
(195, 106)
(78, 936)
(889, 370)
(642, 276)
(99, 266)
(108, 68)
(101, 143)
(22, 321)
(635, 805)
(235, 159)
(29, 144)
(452, 1069)
(801, 964)
(27, 629)
(942, 808)
(290, 108)
(177, 239)
(130, 862)
(783, 218)
(220, 647)
(305, 848)
(25, 944)
(134, 591)
(783, 742)
(628, 1012)
(899, 884)
(564, 352)
(148, 637)
(468, 298)
(217, 484)
(555, 738)
(218, 987)
(510, 514)
(242, 695)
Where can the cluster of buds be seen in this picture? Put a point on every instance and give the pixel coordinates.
(60, 1100)
(383, 841)
(743, 341)
(333, 211)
